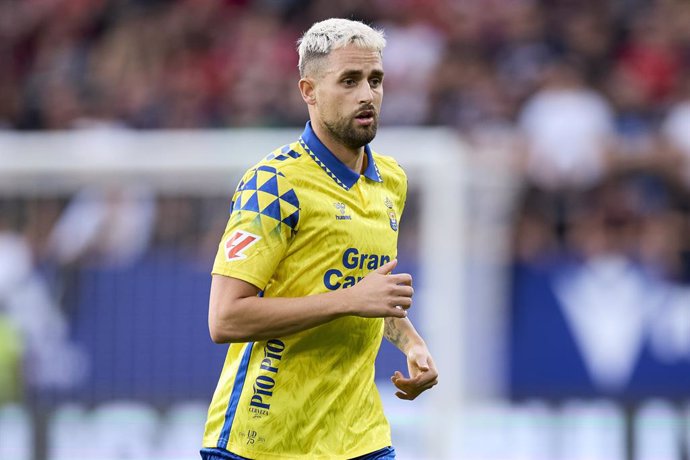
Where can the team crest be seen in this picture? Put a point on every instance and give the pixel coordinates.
(391, 214)
(237, 243)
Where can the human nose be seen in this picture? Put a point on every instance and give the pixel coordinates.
(366, 93)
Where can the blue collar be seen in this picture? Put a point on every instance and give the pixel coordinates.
(344, 176)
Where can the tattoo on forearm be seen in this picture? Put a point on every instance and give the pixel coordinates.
(393, 333)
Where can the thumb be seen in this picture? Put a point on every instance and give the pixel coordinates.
(387, 267)
(422, 363)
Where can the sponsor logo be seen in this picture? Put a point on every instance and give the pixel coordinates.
(342, 212)
(260, 402)
(237, 243)
(334, 278)
(391, 214)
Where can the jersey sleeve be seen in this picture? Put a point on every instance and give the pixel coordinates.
(263, 221)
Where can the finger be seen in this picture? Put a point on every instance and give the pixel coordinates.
(402, 302)
(425, 379)
(421, 364)
(402, 395)
(396, 375)
(414, 384)
(394, 311)
(404, 384)
(412, 395)
(399, 377)
(429, 385)
(402, 279)
(415, 390)
(387, 267)
(397, 312)
(432, 366)
(402, 290)
(421, 390)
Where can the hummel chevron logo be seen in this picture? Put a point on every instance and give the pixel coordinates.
(237, 243)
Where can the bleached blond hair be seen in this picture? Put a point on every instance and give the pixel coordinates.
(331, 34)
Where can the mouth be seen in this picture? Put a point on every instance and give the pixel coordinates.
(365, 117)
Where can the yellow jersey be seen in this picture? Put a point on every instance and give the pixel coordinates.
(302, 223)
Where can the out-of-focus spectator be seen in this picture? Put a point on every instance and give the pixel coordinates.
(413, 51)
(11, 352)
(206, 63)
(112, 226)
(635, 120)
(26, 301)
(568, 129)
(523, 50)
(675, 130)
(587, 34)
(649, 54)
(466, 93)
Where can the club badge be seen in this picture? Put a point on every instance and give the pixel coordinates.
(391, 214)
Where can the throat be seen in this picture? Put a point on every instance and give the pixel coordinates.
(364, 162)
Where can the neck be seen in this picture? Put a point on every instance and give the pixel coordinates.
(352, 158)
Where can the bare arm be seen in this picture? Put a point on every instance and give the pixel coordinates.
(422, 370)
(401, 333)
(236, 314)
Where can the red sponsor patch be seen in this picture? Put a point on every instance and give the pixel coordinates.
(237, 243)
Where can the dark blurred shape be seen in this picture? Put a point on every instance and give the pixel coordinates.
(600, 290)
(152, 64)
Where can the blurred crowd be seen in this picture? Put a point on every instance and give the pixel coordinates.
(587, 82)
(78, 271)
(588, 100)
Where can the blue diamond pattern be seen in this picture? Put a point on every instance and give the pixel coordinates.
(252, 204)
(272, 210)
(248, 198)
(270, 186)
(250, 184)
(290, 197)
(236, 206)
(270, 169)
(292, 220)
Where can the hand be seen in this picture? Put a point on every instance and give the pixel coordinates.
(423, 374)
(382, 294)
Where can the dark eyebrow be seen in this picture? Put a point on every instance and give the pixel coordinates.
(352, 73)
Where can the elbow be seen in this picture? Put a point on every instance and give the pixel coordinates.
(218, 336)
(220, 326)
(229, 306)
(217, 329)
(224, 333)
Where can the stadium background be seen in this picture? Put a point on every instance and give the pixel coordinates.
(548, 149)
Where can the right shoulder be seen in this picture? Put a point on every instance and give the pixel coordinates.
(280, 161)
(267, 188)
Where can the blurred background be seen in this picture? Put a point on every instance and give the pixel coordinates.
(547, 227)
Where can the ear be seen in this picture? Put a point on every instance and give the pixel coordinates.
(308, 91)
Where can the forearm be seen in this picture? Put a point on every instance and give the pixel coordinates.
(237, 314)
(401, 333)
(259, 318)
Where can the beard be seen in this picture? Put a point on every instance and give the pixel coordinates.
(351, 135)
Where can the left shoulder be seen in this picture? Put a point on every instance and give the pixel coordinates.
(389, 168)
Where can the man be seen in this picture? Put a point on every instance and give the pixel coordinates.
(302, 285)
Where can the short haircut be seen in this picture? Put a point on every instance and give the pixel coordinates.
(331, 34)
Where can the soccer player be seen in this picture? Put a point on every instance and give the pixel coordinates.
(303, 285)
